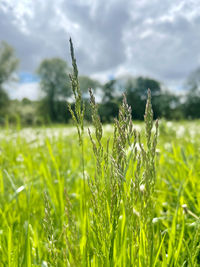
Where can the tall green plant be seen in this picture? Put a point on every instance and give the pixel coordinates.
(113, 194)
(78, 117)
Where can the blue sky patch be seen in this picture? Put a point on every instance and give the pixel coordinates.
(27, 77)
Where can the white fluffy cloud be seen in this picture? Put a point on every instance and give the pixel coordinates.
(154, 38)
(29, 90)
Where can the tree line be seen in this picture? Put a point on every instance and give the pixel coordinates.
(56, 90)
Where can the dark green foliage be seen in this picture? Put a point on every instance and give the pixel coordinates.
(86, 82)
(109, 106)
(109, 91)
(8, 65)
(8, 62)
(167, 105)
(62, 115)
(108, 111)
(192, 105)
(4, 101)
(136, 95)
(55, 85)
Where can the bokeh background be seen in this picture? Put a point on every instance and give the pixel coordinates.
(121, 46)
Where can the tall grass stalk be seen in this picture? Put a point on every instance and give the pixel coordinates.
(78, 117)
(112, 194)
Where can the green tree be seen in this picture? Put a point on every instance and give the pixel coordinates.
(136, 90)
(86, 82)
(109, 90)
(192, 105)
(109, 107)
(55, 84)
(8, 65)
(168, 105)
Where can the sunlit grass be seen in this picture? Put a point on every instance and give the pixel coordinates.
(40, 174)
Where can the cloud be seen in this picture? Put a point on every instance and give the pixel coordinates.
(34, 37)
(153, 38)
(165, 44)
(29, 90)
(100, 33)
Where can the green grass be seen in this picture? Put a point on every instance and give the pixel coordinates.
(43, 217)
(107, 196)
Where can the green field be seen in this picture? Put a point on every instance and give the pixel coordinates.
(53, 215)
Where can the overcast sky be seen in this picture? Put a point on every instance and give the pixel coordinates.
(160, 39)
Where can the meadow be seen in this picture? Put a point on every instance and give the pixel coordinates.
(126, 194)
(44, 199)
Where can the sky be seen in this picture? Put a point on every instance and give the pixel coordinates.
(158, 39)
